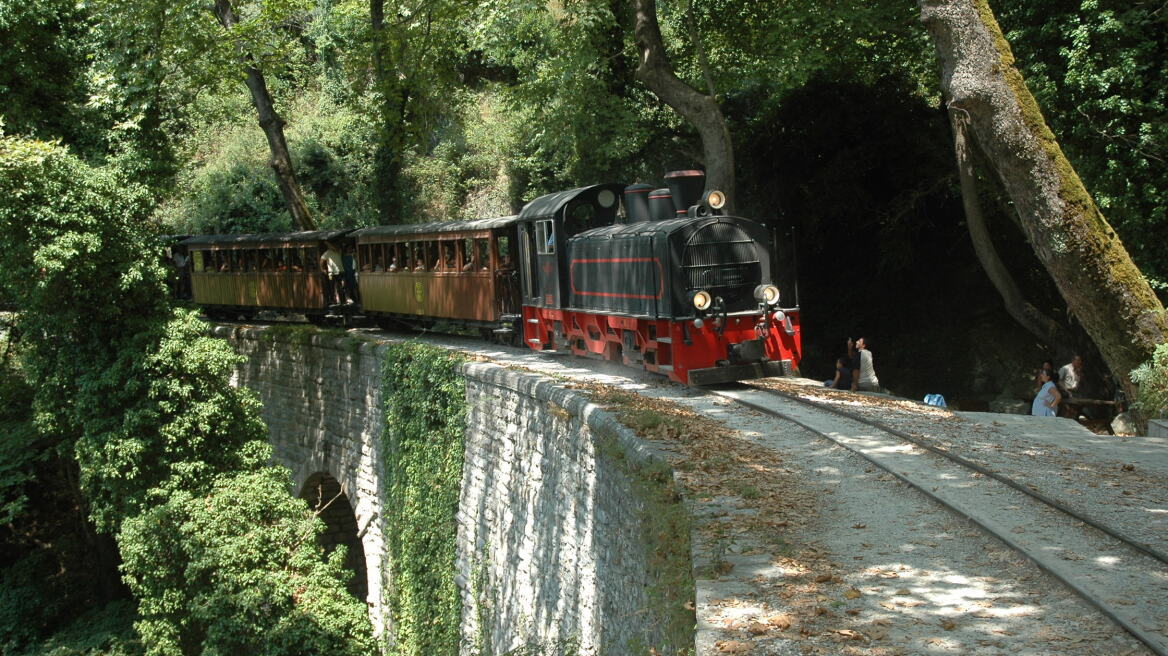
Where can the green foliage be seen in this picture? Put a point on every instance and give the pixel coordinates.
(229, 186)
(423, 448)
(42, 66)
(102, 631)
(1152, 377)
(574, 114)
(171, 457)
(19, 439)
(175, 422)
(236, 570)
(1089, 64)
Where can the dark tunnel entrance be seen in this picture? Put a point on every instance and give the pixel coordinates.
(324, 496)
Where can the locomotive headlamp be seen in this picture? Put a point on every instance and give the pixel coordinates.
(716, 199)
(702, 299)
(768, 294)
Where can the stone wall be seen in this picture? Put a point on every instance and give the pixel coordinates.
(553, 548)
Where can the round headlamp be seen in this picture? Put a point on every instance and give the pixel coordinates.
(716, 199)
(768, 294)
(702, 300)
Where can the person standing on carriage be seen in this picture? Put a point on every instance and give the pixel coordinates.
(333, 267)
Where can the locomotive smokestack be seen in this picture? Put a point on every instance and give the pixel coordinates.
(661, 205)
(686, 187)
(637, 203)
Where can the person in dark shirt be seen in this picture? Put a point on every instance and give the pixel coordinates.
(843, 375)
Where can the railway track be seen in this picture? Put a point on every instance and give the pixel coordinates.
(1124, 577)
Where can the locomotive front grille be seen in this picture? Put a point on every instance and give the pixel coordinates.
(721, 258)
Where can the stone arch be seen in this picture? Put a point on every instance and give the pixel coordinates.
(326, 497)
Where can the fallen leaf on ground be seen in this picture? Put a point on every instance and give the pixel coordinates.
(757, 628)
(732, 647)
(781, 622)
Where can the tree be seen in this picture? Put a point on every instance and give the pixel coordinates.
(415, 55)
(1081, 252)
(1089, 63)
(166, 53)
(699, 109)
(164, 445)
(272, 125)
(1025, 313)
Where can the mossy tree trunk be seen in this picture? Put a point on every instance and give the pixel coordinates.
(700, 110)
(1081, 252)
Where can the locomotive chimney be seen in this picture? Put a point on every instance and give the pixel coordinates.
(686, 187)
(661, 205)
(637, 203)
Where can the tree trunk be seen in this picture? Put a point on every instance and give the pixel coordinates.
(273, 127)
(1031, 318)
(700, 110)
(1080, 251)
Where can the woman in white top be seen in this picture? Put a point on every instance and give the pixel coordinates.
(1048, 397)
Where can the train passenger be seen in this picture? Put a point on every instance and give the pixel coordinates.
(334, 269)
(392, 264)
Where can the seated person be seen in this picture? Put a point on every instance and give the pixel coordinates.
(469, 266)
(392, 265)
(843, 375)
(420, 265)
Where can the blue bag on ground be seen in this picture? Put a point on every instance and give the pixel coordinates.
(935, 399)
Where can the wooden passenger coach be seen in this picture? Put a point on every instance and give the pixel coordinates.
(459, 272)
(241, 274)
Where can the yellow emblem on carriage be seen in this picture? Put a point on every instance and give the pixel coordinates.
(419, 292)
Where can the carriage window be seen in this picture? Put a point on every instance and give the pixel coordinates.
(448, 256)
(483, 253)
(364, 261)
(466, 254)
(393, 255)
(545, 237)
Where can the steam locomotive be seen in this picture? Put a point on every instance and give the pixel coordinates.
(671, 285)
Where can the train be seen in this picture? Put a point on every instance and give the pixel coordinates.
(656, 278)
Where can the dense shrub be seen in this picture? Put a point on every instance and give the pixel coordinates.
(171, 457)
(1152, 377)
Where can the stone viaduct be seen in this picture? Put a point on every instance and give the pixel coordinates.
(552, 541)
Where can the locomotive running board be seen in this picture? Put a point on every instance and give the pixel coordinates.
(733, 372)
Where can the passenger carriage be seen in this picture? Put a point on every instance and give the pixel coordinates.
(233, 275)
